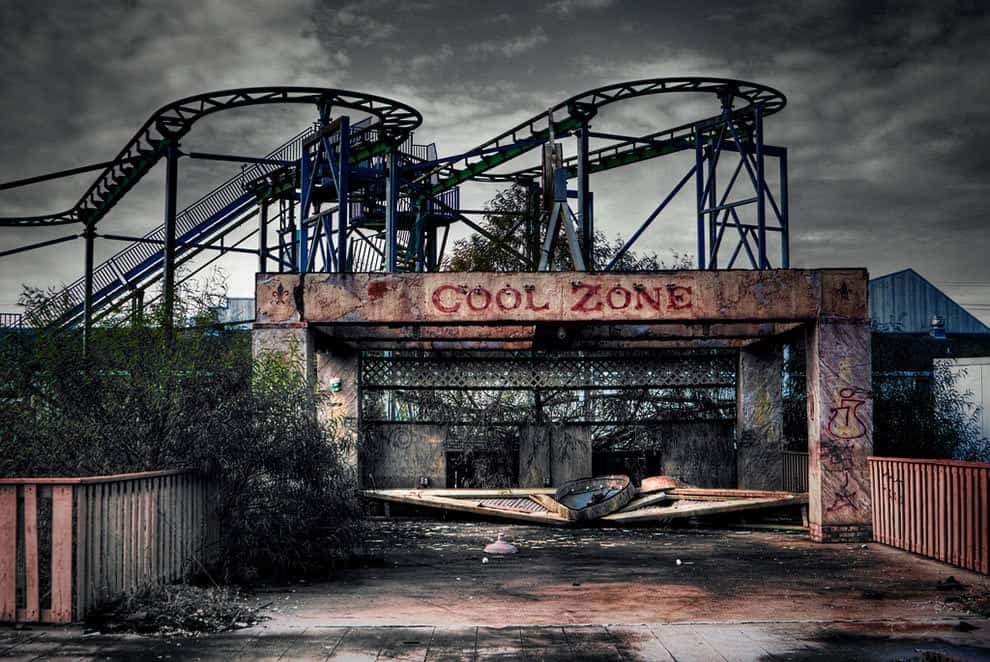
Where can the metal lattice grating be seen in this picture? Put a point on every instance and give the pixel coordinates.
(541, 371)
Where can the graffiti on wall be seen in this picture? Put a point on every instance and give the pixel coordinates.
(846, 427)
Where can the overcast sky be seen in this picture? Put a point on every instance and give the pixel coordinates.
(886, 120)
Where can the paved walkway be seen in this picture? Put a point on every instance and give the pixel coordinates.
(426, 593)
(683, 642)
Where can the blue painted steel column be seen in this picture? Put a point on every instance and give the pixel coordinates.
(785, 220)
(262, 235)
(761, 205)
(343, 191)
(168, 277)
(584, 214)
(431, 248)
(305, 192)
(699, 179)
(711, 204)
(391, 202)
(89, 235)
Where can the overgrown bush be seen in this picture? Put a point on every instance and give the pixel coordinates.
(142, 401)
(179, 610)
(916, 413)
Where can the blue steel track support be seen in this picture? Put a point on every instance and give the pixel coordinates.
(761, 187)
(713, 154)
(584, 208)
(391, 203)
(306, 173)
(262, 235)
(343, 148)
(699, 181)
(168, 263)
(785, 221)
(89, 235)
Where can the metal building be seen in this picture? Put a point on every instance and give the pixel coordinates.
(905, 302)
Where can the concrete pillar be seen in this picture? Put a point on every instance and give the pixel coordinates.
(840, 430)
(337, 378)
(760, 417)
(294, 340)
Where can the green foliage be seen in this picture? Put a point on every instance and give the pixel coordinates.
(511, 218)
(914, 414)
(140, 401)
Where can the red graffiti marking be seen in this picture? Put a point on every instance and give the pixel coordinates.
(844, 498)
(844, 421)
(377, 289)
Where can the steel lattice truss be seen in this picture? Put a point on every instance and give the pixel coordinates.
(593, 371)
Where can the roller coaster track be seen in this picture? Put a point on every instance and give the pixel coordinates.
(477, 164)
(171, 122)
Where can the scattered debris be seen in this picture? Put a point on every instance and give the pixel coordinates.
(604, 500)
(499, 547)
(179, 610)
(950, 583)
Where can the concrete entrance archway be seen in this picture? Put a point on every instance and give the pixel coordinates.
(746, 310)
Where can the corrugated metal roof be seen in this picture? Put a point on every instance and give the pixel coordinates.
(905, 302)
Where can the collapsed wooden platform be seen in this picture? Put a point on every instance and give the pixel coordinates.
(537, 505)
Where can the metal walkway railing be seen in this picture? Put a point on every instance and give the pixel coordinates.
(141, 261)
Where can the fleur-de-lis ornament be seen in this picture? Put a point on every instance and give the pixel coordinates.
(280, 296)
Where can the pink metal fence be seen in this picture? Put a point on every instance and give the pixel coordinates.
(937, 508)
(67, 544)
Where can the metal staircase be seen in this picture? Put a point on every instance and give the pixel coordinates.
(141, 263)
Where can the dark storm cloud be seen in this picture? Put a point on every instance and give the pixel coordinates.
(886, 122)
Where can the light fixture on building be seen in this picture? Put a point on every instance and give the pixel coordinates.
(937, 330)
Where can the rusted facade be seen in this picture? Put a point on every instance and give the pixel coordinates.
(330, 318)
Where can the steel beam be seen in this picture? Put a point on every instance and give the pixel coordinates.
(307, 171)
(761, 204)
(586, 226)
(785, 221)
(168, 266)
(89, 237)
(343, 191)
(238, 159)
(40, 244)
(391, 202)
(699, 179)
(262, 235)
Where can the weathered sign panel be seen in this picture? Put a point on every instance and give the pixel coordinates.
(513, 298)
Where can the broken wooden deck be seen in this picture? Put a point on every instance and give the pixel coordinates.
(534, 505)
